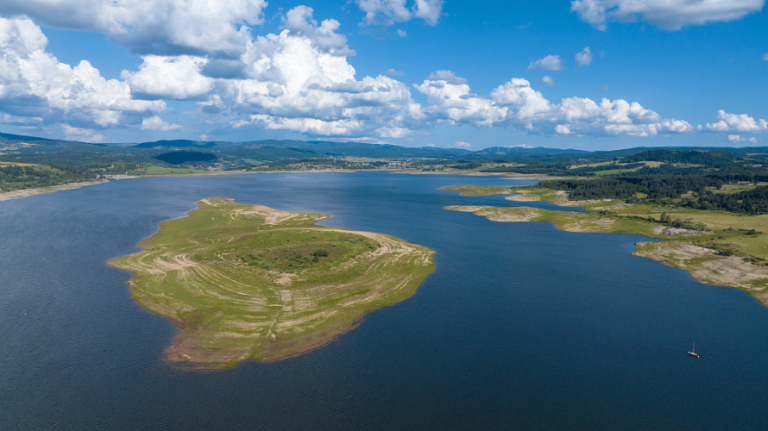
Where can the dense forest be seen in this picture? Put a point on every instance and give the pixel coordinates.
(16, 177)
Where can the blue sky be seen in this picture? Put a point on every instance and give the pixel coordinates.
(452, 73)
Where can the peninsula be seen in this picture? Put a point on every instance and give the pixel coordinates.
(716, 247)
(245, 282)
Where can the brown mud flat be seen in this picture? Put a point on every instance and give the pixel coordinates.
(709, 267)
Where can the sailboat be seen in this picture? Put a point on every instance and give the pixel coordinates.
(693, 352)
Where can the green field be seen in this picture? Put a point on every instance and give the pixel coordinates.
(527, 193)
(246, 282)
(157, 170)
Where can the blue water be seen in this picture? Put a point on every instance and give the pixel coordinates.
(521, 326)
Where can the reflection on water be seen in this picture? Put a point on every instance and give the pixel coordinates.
(521, 326)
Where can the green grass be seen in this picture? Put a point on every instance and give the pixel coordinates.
(618, 169)
(251, 283)
(614, 172)
(480, 190)
(733, 188)
(157, 170)
(534, 193)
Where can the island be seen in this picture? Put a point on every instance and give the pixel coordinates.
(251, 283)
(716, 247)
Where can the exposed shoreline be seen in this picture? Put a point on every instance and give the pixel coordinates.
(240, 284)
(23, 193)
(683, 248)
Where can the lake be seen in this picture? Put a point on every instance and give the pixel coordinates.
(521, 326)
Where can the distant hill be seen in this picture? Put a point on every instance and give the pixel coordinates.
(44, 150)
(177, 143)
(524, 151)
(181, 157)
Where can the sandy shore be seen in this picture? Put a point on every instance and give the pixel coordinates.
(15, 194)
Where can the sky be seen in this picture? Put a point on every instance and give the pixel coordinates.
(586, 74)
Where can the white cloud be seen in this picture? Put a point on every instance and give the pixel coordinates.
(739, 138)
(666, 14)
(462, 144)
(450, 101)
(176, 78)
(523, 103)
(619, 117)
(550, 62)
(429, 10)
(584, 58)
(162, 27)
(156, 123)
(292, 84)
(394, 72)
(388, 12)
(548, 81)
(81, 134)
(401, 33)
(737, 123)
(34, 84)
(324, 37)
(298, 80)
(516, 103)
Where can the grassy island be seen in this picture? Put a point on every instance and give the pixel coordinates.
(716, 247)
(244, 282)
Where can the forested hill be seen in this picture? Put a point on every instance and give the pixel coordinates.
(712, 180)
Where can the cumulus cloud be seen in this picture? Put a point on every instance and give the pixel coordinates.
(738, 138)
(156, 123)
(394, 72)
(34, 84)
(177, 78)
(462, 144)
(402, 33)
(584, 58)
(81, 134)
(516, 103)
(522, 102)
(161, 27)
(388, 12)
(737, 123)
(666, 14)
(550, 62)
(548, 81)
(324, 37)
(429, 10)
(291, 83)
(299, 80)
(451, 101)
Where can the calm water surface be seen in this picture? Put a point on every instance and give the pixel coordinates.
(520, 327)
